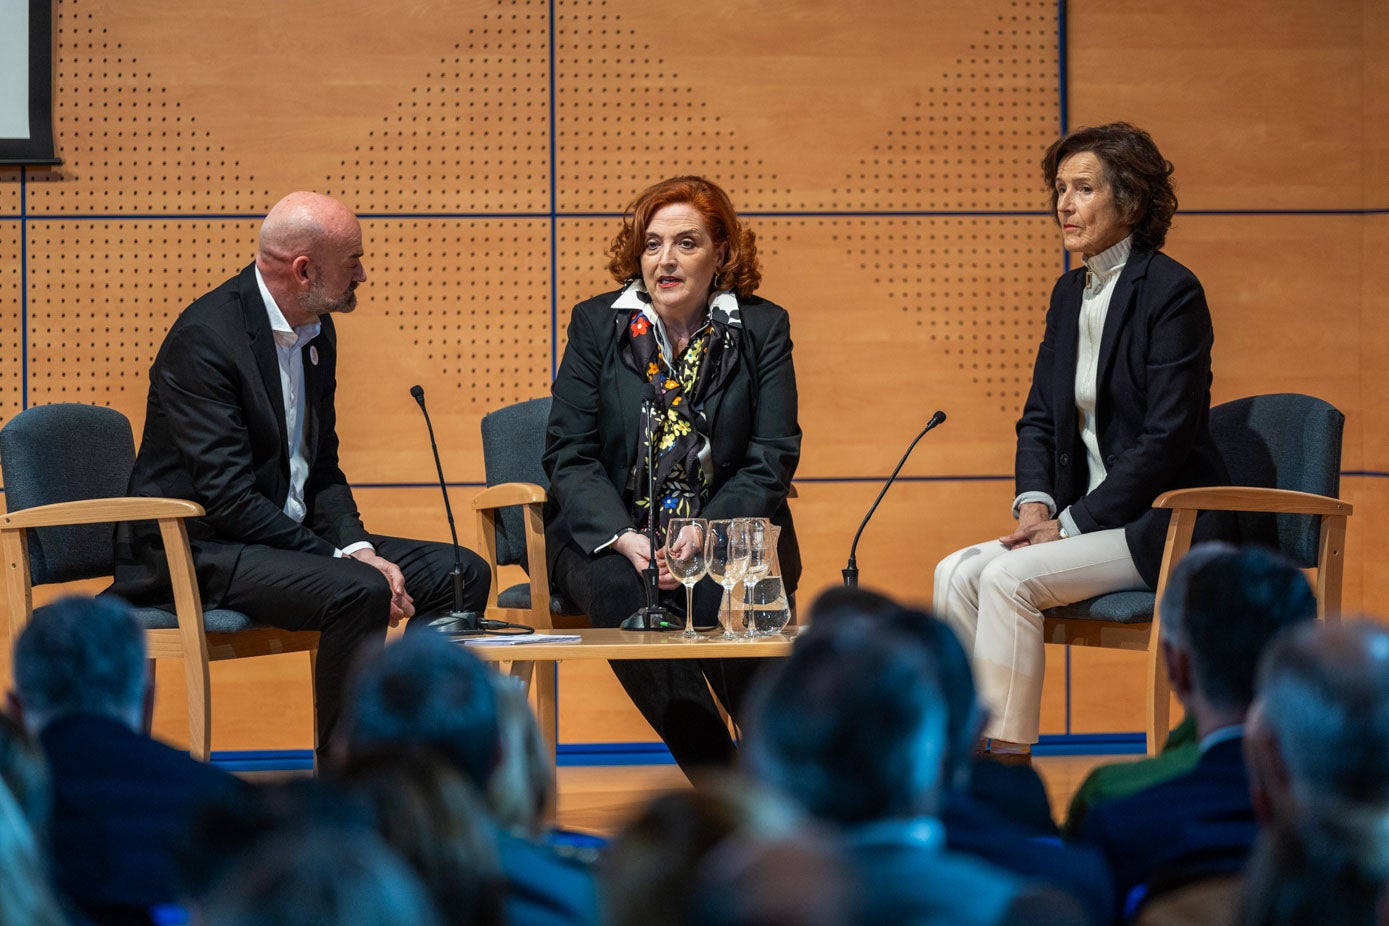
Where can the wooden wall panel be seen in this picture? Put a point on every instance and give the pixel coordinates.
(1257, 105)
(459, 306)
(11, 320)
(10, 193)
(1373, 344)
(429, 106)
(1256, 268)
(919, 101)
(1376, 101)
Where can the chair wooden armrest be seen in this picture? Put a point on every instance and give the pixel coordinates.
(487, 505)
(170, 513)
(98, 510)
(1250, 498)
(1186, 503)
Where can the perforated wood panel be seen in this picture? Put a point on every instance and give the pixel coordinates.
(11, 347)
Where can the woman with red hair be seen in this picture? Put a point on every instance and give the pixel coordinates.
(686, 338)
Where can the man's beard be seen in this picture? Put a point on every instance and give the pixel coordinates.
(320, 303)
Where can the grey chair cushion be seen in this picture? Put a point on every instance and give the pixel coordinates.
(217, 620)
(1117, 607)
(62, 453)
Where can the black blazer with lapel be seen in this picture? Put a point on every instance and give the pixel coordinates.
(215, 434)
(591, 439)
(1154, 385)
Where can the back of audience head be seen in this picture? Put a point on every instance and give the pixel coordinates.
(866, 740)
(1318, 749)
(727, 853)
(1221, 608)
(522, 791)
(437, 822)
(873, 613)
(319, 878)
(425, 690)
(81, 655)
(237, 824)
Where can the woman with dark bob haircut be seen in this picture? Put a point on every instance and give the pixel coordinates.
(1116, 415)
(686, 333)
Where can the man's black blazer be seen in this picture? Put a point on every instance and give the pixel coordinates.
(591, 439)
(1154, 387)
(215, 434)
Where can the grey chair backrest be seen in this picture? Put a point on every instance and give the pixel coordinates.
(62, 453)
(1282, 441)
(513, 440)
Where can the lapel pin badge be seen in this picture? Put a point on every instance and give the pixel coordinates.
(313, 355)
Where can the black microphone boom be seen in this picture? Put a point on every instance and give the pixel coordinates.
(851, 570)
(457, 621)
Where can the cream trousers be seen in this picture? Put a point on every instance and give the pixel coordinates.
(994, 598)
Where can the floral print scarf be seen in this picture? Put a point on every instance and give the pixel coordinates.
(677, 390)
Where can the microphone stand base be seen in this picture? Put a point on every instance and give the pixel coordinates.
(656, 618)
(458, 623)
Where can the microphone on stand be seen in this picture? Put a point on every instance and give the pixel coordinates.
(457, 621)
(652, 616)
(851, 570)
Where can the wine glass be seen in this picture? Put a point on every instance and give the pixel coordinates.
(687, 559)
(760, 553)
(728, 560)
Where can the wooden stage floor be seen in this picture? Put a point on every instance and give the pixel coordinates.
(600, 799)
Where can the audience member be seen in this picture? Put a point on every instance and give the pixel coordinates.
(728, 853)
(1318, 750)
(24, 771)
(25, 897)
(238, 825)
(121, 801)
(427, 692)
(864, 750)
(990, 810)
(522, 789)
(1178, 756)
(1219, 615)
(334, 877)
(437, 822)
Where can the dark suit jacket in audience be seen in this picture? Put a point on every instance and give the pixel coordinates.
(121, 805)
(1196, 825)
(979, 830)
(543, 888)
(904, 874)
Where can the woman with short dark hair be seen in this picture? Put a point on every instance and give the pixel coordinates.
(1116, 415)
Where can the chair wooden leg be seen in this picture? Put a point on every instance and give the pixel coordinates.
(313, 703)
(147, 721)
(545, 685)
(199, 683)
(1159, 700)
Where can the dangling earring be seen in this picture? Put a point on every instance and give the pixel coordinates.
(718, 282)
